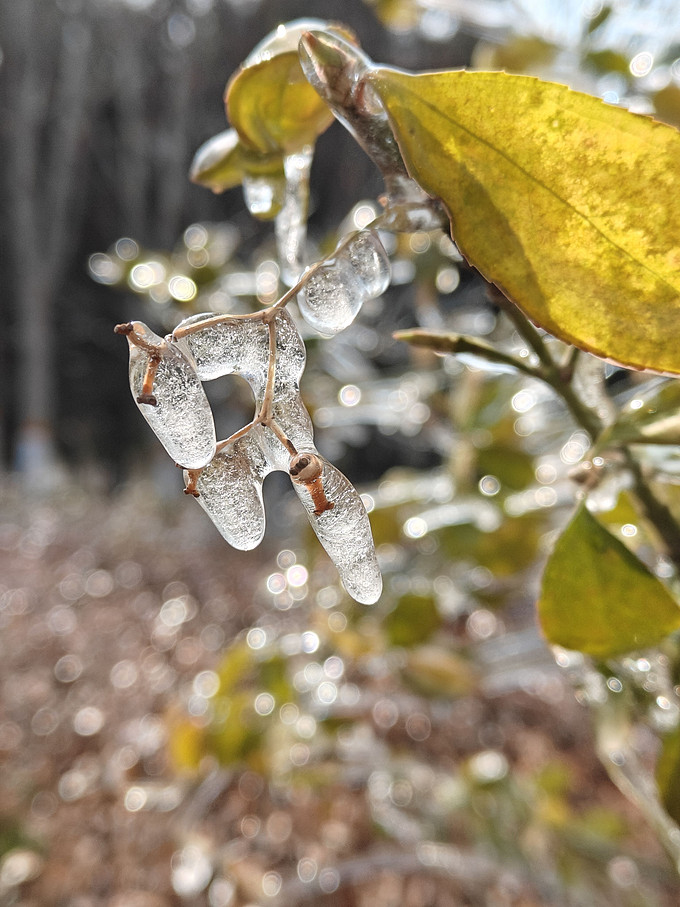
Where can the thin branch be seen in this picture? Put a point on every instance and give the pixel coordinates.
(457, 343)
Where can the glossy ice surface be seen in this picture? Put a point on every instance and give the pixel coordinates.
(181, 419)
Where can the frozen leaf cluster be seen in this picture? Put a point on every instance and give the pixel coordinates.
(265, 349)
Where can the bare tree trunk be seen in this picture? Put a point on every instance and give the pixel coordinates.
(47, 104)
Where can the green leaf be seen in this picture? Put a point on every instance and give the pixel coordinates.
(414, 619)
(564, 202)
(668, 774)
(597, 597)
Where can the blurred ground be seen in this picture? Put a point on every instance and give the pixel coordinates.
(96, 655)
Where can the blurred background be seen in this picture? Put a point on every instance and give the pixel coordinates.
(181, 723)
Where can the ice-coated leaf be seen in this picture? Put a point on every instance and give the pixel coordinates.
(269, 101)
(340, 72)
(230, 490)
(181, 416)
(217, 163)
(224, 162)
(344, 531)
(597, 597)
(565, 202)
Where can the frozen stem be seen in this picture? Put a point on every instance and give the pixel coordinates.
(306, 469)
(147, 395)
(192, 479)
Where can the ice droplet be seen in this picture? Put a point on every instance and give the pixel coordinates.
(334, 294)
(331, 298)
(345, 533)
(370, 262)
(181, 417)
(230, 489)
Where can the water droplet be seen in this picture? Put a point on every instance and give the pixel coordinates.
(271, 884)
(329, 880)
(191, 871)
(307, 869)
(68, 668)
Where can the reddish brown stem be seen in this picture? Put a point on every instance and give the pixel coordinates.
(146, 395)
(307, 469)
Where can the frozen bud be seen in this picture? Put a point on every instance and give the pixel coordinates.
(170, 396)
(230, 490)
(339, 518)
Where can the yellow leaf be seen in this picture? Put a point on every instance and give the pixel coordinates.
(569, 205)
(269, 102)
(222, 162)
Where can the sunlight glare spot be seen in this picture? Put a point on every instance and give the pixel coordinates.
(146, 274)
(297, 576)
(349, 395)
(415, 527)
(276, 583)
(264, 703)
(104, 269)
(523, 401)
(271, 884)
(182, 288)
(256, 638)
(641, 64)
(363, 215)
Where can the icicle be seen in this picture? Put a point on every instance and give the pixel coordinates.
(291, 221)
(339, 518)
(170, 396)
(264, 195)
(230, 490)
